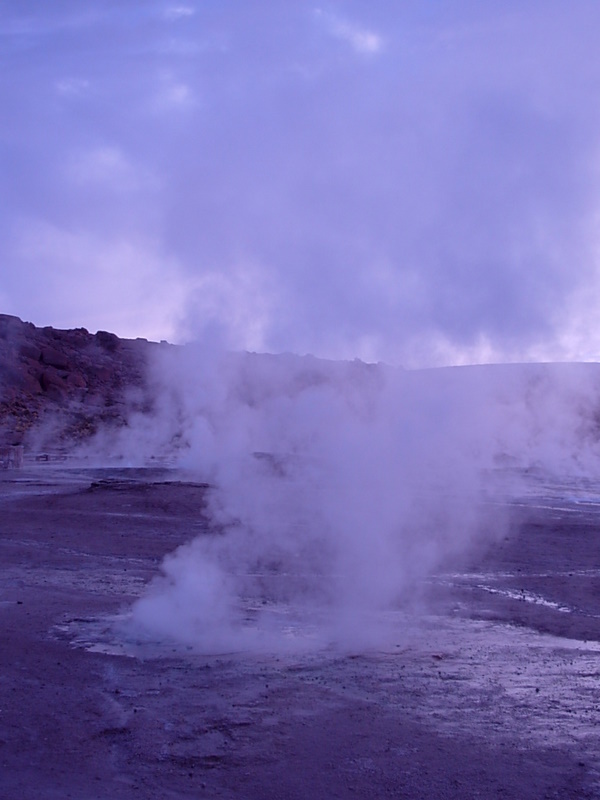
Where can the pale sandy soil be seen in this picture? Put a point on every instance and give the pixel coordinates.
(491, 691)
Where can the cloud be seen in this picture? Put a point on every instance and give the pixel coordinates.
(179, 12)
(72, 87)
(172, 94)
(362, 40)
(126, 286)
(30, 24)
(107, 167)
(435, 202)
(236, 305)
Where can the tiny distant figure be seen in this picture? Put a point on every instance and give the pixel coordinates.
(11, 456)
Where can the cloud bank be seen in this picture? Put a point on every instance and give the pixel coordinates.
(403, 182)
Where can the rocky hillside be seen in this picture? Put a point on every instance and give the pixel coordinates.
(58, 386)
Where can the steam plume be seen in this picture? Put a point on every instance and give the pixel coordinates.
(338, 486)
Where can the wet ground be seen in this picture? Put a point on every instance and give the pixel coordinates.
(492, 689)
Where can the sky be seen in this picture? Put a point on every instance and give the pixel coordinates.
(416, 182)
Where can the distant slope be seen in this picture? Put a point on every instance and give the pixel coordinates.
(59, 385)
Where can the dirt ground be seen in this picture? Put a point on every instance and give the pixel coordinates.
(492, 690)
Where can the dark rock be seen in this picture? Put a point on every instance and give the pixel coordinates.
(57, 393)
(8, 324)
(76, 380)
(9, 372)
(51, 377)
(30, 383)
(109, 341)
(54, 358)
(31, 351)
(103, 374)
(80, 333)
(94, 400)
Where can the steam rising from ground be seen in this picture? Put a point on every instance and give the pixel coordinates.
(338, 486)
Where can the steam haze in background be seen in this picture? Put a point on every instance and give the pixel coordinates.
(412, 182)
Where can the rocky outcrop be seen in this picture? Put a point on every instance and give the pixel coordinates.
(58, 385)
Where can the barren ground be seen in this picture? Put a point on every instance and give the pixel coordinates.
(493, 692)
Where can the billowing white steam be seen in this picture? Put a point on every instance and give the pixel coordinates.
(337, 486)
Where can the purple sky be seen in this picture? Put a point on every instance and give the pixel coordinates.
(416, 182)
